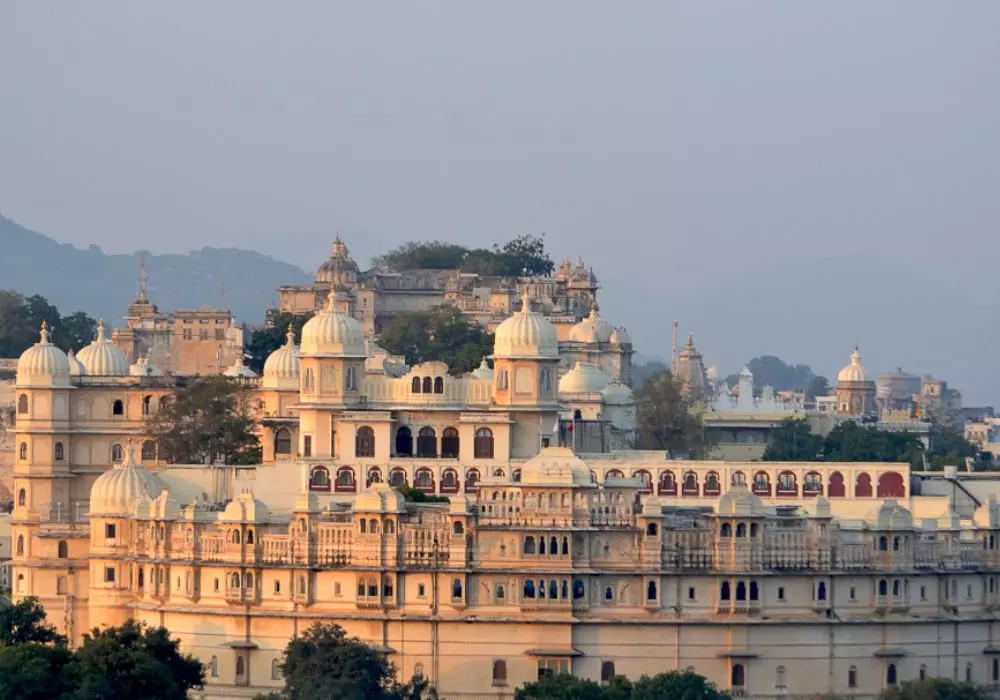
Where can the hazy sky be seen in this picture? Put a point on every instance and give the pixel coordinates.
(669, 143)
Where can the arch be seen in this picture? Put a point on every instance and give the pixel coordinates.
(438, 385)
(515, 476)
(456, 589)
(821, 591)
(529, 545)
(22, 497)
(754, 528)
(836, 488)
(739, 479)
(498, 473)
(607, 671)
(22, 404)
(118, 408)
(690, 484)
(163, 402)
(427, 442)
(761, 484)
(741, 591)
(423, 480)
(148, 451)
(499, 672)
(501, 593)
(741, 529)
(712, 484)
(609, 593)
(117, 453)
(275, 670)
(415, 385)
(812, 484)
(147, 405)
(890, 675)
(863, 486)
(565, 546)
(449, 443)
(482, 446)
(250, 536)
(529, 588)
(346, 483)
(651, 530)
(20, 546)
(235, 537)
(235, 580)
(754, 591)
(726, 530)
(59, 452)
(428, 387)
(62, 550)
(890, 485)
(449, 481)
(787, 484)
(364, 442)
(553, 589)
(883, 588)
(457, 528)
(404, 441)
(651, 591)
(374, 476)
(319, 479)
(738, 676)
(667, 484)
(213, 667)
(613, 474)
(241, 668)
(472, 479)
(724, 591)
(23, 451)
(397, 477)
(645, 479)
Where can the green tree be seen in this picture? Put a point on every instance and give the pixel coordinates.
(853, 442)
(75, 331)
(948, 443)
(524, 255)
(210, 419)
(33, 671)
(413, 495)
(441, 334)
(774, 372)
(934, 689)
(266, 340)
(793, 441)
(23, 622)
(676, 685)
(665, 419)
(325, 663)
(21, 318)
(817, 386)
(561, 687)
(134, 661)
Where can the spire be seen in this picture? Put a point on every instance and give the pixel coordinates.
(525, 301)
(143, 277)
(44, 334)
(290, 336)
(100, 330)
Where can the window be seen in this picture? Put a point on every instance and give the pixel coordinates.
(277, 587)
(890, 675)
(883, 588)
(741, 591)
(23, 451)
(853, 594)
(220, 333)
(741, 529)
(438, 385)
(968, 673)
(456, 589)
(22, 497)
(923, 671)
(187, 336)
(275, 667)
(307, 446)
(213, 667)
(781, 592)
(724, 591)
(449, 443)
(651, 530)
(109, 574)
(607, 672)
(821, 591)
(754, 591)
(109, 531)
(418, 671)
(529, 588)
(421, 591)
(283, 442)
(308, 380)
(739, 676)
(499, 672)
(548, 668)
(62, 585)
(148, 451)
(345, 478)
(923, 593)
(501, 593)
(691, 593)
(779, 677)
(786, 481)
(364, 442)
(404, 441)
(62, 549)
(240, 669)
(118, 408)
(427, 442)
(458, 528)
(483, 444)
(22, 403)
(609, 593)
(117, 453)
(20, 545)
(427, 385)
(320, 478)
(415, 385)
(59, 452)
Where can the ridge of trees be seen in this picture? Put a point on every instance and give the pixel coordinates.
(263, 341)
(522, 256)
(671, 685)
(21, 318)
(780, 376)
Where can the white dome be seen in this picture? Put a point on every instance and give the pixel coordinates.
(43, 364)
(526, 334)
(712, 373)
(617, 393)
(854, 372)
(245, 508)
(76, 367)
(483, 371)
(102, 359)
(333, 333)
(555, 466)
(592, 329)
(144, 367)
(116, 491)
(239, 370)
(281, 369)
(584, 378)
(620, 336)
(380, 498)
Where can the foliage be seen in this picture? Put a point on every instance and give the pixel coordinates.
(21, 318)
(948, 443)
(934, 689)
(135, 661)
(211, 419)
(647, 369)
(817, 386)
(266, 340)
(675, 685)
(771, 370)
(522, 256)
(24, 623)
(325, 663)
(793, 441)
(665, 419)
(412, 495)
(561, 687)
(441, 334)
(33, 671)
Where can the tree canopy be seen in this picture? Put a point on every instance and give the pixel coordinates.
(443, 334)
(325, 663)
(522, 256)
(794, 441)
(665, 419)
(672, 685)
(780, 376)
(934, 689)
(210, 419)
(23, 622)
(21, 318)
(266, 340)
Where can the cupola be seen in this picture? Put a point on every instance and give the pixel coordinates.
(526, 335)
(102, 359)
(43, 364)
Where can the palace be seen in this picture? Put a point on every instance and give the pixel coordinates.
(767, 578)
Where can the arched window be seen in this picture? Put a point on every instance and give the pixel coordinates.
(609, 593)
(249, 536)
(726, 530)
(22, 497)
(275, 670)
(374, 476)
(565, 546)
(427, 387)
(501, 593)
(148, 451)
(241, 669)
(741, 591)
(283, 442)
(895, 543)
(472, 479)
(668, 484)
(118, 408)
(890, 675)
(883, 544)
(22, 403)
(319, 479)
(397, 477)
(541, 545)
(424, 480)
(404, 441)
(438, 385)
(449, 481)
(483, 444)
(415, 385)
(449, 443)
(458, 528)
(883, 588)
(852, 677)
(23, 451)
(761, 484)
(308, 380)
(213, 667)
(247, 580)
(59, 452)
(553, 589)
(20, 545)
(117, 453)
(741, 529)
(456, 589)
(754, 591)
(724, 590)
(711, 483)
(607, 671)
(739, 479)
(62, 550)
(739, 676)
(529, 545)
(147, 402)
(753, 529)
(690, 484)
(821, 591)
(364, 442)
(529, 588)
(62, 585)
(235, 537)
(651, 530)
(651, 591)
(499, 672)
(345, 479)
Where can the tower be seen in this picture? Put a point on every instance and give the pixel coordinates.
(855, 390)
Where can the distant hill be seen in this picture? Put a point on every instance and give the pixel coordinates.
(103, 285)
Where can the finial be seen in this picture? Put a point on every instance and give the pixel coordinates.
(290, 335)
(44, 334)
(100, 329)
(525, 301)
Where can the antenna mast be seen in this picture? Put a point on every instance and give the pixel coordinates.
(143, 276)
(673, 352)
